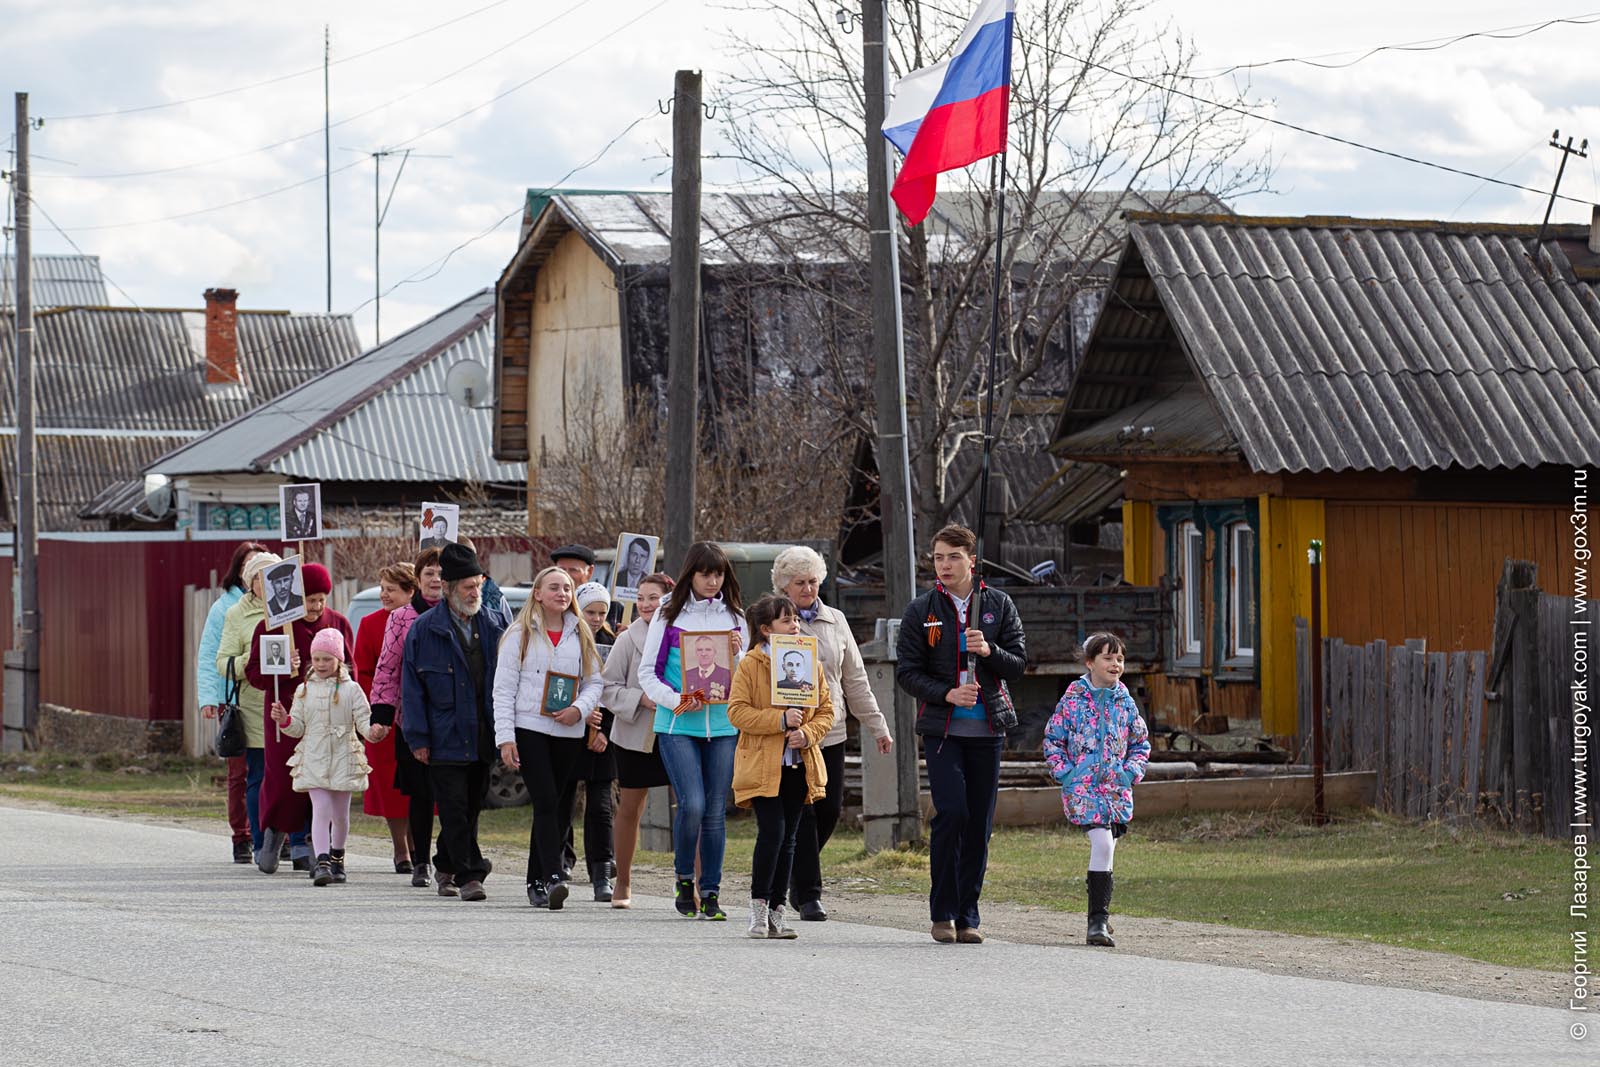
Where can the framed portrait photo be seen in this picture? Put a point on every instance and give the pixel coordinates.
(794, 671)
(706, 659)
(636, 558)
(274, 655)
(300, 512)
(440, 525)
(286, 592)
(560, 690)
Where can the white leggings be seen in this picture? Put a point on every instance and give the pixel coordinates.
(1102, 846)
(330, 815)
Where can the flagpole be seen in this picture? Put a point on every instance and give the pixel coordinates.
(988, 408)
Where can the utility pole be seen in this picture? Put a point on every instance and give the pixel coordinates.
(889, 391)
(1567, 151)
(683, 320)
(22, 662)
(327, 168)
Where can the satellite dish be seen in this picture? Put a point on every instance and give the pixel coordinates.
(468, 383)
(157, 494)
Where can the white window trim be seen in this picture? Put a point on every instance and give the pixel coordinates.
(1243, 643)
(1191, 586)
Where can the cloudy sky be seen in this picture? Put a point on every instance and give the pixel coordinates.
(520, 93)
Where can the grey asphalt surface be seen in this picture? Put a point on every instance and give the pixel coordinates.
(126, 943)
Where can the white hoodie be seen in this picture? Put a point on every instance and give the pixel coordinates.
(519, 686)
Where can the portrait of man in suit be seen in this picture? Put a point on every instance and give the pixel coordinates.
(301, 521)
(440, 534)
(795, 678)
(709, 669)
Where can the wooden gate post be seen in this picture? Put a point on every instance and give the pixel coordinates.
(1319, 803)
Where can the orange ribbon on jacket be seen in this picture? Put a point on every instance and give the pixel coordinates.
(689, 700)
(934, 628)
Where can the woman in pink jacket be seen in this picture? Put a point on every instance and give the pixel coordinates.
(411, 776)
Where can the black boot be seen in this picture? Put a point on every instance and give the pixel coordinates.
(1100, 909)
(336, 861)
(600, 879)
(322, 873)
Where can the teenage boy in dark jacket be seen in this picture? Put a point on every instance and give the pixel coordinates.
(445, 687)
(962, 717)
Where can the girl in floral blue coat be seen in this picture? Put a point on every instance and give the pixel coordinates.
(1097, 746)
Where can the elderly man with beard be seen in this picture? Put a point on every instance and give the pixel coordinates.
(446, 689)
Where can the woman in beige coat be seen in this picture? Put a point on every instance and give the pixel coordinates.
(330, 716)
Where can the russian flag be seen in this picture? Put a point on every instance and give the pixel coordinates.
(953, 113)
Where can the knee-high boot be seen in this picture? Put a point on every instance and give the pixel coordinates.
(1100, 909)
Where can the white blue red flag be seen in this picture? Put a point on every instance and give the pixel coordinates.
(953, 113)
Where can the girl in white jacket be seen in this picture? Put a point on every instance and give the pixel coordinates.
(547, 689)
(330, 715)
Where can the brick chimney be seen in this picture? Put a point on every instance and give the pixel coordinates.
(222, 337)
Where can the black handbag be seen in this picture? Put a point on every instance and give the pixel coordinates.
(230, 740)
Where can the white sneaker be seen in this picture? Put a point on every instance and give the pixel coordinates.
(758, 919)
(777, 929)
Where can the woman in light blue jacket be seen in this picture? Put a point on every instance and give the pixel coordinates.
(209, 689)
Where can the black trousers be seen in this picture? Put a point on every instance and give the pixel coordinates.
(777, 822)
(548, 764)
(411, 778)
(458, 790)
(817, 823)
(963, 777)
(599, 808)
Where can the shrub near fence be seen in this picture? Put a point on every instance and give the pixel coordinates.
(1413, 716)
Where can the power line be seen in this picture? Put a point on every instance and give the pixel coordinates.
(400, 144)
(278, 78)
(199, 164)
(1259, 117)
(1432, 44)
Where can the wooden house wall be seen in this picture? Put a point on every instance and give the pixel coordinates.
(575, 364)
(1399, 570)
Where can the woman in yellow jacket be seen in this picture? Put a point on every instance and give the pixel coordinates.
(777, 766)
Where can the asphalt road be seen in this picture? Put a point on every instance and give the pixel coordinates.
(124, 943)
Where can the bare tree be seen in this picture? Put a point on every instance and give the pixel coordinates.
(1099, 123)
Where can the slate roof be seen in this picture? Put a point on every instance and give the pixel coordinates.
(381, 417)
(1331, 344)
(58, 281)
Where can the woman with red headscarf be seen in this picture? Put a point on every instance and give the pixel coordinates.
(284, 811)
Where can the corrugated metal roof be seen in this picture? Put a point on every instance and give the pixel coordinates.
(1346, 344)
(1076, 492)
(58, 281)
(132, 369)
(383, 416)
(75, 469)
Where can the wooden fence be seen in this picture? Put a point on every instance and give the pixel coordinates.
(1453, 737)
(1414, 717)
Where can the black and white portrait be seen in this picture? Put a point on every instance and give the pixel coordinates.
(440, 525)
(301, 509)
(286, 593)
(794, 671)
(275, 654)
(636, 557)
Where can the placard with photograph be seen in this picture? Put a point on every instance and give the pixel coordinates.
(286, 592)
(706, 659)
(441, 525)
(300, 511)
(560, 690)
(794, 671)
(274, 657)
(636, 558)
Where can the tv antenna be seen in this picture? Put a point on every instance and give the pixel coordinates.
(380, 211)
(467, 383)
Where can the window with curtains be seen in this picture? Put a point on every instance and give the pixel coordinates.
(1214, 569)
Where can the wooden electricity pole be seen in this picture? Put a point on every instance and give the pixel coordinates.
(889, 393)
(21, 714)
(683, 321)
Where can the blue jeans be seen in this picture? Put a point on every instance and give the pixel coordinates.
(964, 779)
(255, 769)
(701, 771)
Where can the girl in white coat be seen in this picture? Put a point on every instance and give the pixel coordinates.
(329, 715)
(547, 689)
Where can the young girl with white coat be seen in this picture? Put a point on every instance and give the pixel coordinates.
(540, 719)
(330, 716)
(1097, 747)
(693, 735)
